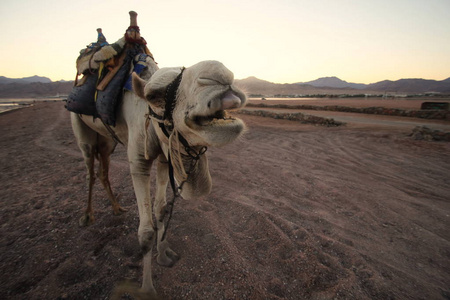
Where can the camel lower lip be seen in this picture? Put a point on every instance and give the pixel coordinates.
(205, 122)
(218, 118)
(211, 122)
(217, 132)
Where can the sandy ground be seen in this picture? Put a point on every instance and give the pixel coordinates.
(296, 212)
(401, 103)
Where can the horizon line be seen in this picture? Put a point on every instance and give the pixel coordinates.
(252, 76)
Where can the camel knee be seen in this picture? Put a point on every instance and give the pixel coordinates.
(89, 151)
(146, 239)
(160, 212)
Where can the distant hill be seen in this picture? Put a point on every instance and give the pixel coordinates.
(37, 86)
(35, 89)
(6, 80)
(334, 85)
(412, 86)
(334, 82)
(255, 86)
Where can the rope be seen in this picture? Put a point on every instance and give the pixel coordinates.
(175, 154)
(176, 143)
(147, 123)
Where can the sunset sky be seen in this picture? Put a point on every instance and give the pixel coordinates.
(283, 41)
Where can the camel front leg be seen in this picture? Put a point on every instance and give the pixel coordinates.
(166, 256)
(140, 173)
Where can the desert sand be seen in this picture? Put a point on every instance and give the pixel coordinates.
(296, 212)
(401, 103)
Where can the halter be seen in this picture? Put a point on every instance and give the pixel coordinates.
(166, 125)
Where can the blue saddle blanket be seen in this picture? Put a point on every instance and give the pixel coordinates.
(82, 99)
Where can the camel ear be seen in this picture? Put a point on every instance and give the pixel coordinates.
(155, 95)
(138, 85)
(143, 90)
(155, 90)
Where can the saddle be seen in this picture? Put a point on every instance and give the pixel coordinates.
(106, 72)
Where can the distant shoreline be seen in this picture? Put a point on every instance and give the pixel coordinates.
(21, 100)
(10, 104)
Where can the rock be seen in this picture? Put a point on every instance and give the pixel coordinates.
(427, 134)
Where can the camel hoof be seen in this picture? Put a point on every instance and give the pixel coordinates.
(86, 220)
(120, 210)
(133, 290)
(168, 258)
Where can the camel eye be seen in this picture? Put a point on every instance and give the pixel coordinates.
(208, 81)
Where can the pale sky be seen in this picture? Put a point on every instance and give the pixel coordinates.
(283, 41)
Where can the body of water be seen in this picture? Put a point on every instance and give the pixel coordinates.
(11, 104)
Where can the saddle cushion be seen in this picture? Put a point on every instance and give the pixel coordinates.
(81, 99)
(109, 99)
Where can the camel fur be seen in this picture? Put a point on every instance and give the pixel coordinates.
(205, 93)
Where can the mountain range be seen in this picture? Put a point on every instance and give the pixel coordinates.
(25, 89)
(334, 85)
(334, 82)
(35, 78)
(37, 86)
(403, 85)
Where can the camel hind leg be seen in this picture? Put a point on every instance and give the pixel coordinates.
(87, 142)
(94, 146)
(89, 159)
(105, 148)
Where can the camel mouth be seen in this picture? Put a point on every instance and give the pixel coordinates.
(213, 122)
(217, 129)
(218, 117)
(217, 112)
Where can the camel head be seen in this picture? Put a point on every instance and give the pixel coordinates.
(205, 94)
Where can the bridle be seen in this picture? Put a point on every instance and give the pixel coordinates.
(174, 159)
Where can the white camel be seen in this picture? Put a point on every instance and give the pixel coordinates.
(205, 92)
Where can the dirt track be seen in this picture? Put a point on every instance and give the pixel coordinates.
(296, 212)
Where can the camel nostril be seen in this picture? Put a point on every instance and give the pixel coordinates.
(230, 100)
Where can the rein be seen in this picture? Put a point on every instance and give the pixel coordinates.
(176, 140)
